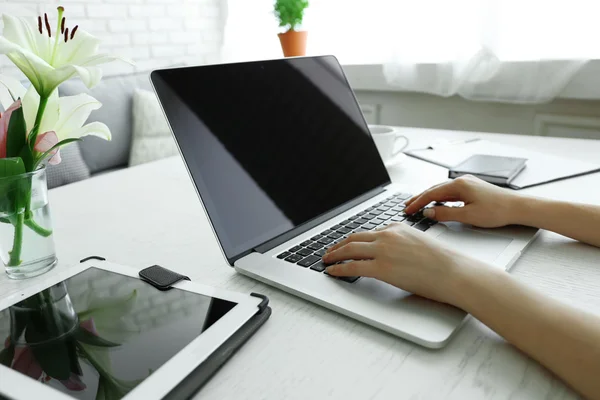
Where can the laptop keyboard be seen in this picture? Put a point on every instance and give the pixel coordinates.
(308, 253)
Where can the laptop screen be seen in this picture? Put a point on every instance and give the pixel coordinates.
(270, 145)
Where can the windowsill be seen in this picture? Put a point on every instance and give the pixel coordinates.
(585, 85)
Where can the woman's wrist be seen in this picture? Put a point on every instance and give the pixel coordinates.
(468, 277)
(519, 209)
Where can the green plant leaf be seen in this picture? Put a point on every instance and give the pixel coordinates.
(74, 358)
(54, 359)
(17, 133)
(290, 12)
(53, 356)
(56, 146)
(30, 135)
(84, 336)
(9, 188)
(18, 323)
(11, 166)
(27, 158)
(7, 355)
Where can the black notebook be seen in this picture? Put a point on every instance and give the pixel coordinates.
(493, 169)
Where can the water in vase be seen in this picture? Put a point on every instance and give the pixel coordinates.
(37, 245)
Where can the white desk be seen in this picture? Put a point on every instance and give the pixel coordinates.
(151, 215)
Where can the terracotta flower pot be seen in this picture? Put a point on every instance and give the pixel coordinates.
(293, 43)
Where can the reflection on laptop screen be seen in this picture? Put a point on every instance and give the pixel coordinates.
(270, 145)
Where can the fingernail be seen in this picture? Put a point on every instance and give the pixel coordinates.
(329, 270)
(429, 213)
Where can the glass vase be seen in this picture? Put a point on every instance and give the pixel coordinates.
(43, 318)
(26, 240)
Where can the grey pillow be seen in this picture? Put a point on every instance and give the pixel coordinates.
(116, 96)
(71, 169)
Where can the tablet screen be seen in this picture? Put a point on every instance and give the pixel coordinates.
(99, 334)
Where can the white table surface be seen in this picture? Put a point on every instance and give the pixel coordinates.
(150, 215)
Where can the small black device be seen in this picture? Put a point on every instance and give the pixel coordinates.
(493, 169)
(161, 278)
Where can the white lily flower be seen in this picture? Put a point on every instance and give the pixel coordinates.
(49, 57)
(64, 115)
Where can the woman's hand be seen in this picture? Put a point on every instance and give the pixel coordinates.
(403, 257)
(485, 205)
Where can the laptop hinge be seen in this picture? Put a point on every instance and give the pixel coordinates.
(271, 244)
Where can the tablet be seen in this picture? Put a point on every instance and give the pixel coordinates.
(97, 331)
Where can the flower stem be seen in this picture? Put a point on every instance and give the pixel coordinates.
(38, 229)
(38, 121)
(15, 253)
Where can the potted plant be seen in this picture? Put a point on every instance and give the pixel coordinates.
(290, 14)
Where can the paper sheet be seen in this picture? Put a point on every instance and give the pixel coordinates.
(540, 167)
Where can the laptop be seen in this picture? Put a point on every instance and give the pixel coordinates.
(285, 166)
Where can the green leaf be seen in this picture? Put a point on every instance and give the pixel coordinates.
(290, 12)
(54, 359)
(17, 133)
(7, 355)
(86, 337)
(31, 132)
(53, 356)
(11, 166)
(18, 323)
(74, 358)
(10, 189)
(56, 146)
(27, 158)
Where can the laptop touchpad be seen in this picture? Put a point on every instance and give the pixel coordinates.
(483, 246)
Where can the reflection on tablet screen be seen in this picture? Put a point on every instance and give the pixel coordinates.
(99, 334)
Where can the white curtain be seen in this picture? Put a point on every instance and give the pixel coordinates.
(523, 51)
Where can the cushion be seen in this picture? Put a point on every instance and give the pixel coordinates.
(71, 169)
(116, 96)
(152, 139)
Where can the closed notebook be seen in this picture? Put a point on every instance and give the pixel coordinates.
(493, 169)
(541, 168)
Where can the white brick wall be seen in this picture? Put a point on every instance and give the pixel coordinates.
(153, 33)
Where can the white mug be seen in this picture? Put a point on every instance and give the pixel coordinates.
(386, 139)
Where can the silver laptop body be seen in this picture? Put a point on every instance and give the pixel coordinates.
(284, 165)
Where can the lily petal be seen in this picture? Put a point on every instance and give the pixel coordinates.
(26, 363)
(93, 129)
(49, 61)
(109, 317)
(44, 77)
(74, 383)
(90, 76)
(78, 50)
(4, 120)
(10, 90)
(45, 142)
(74, 111)
(89, 326)
(31, 102)
(34, 67)
(25, 35)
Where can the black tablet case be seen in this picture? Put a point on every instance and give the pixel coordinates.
(191, 384)
(188, 387)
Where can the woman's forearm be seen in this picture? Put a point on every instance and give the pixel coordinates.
(564, 339)
(577, 221)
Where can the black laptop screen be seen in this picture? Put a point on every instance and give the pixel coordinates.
(270, 145)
